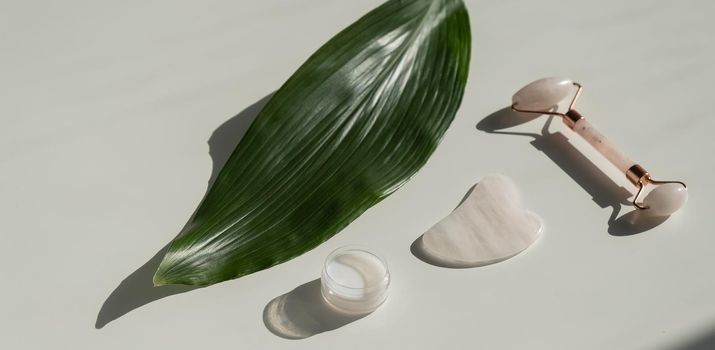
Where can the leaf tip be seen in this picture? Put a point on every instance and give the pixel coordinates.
(160, 277)
(158, 280)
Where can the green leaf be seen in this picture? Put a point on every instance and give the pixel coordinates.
(350, 127)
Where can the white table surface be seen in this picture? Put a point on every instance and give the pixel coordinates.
(112, 121)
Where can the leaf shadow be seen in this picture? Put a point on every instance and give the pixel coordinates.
(137, 289)
(556, 146)
(303, 313)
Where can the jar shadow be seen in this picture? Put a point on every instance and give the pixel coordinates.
(303, 313)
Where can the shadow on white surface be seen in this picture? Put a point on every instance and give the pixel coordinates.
(303, 313)
(138, 289)
(555, 145)
(634, 222)
(705, 342)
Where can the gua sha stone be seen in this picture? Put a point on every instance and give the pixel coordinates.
(489, 226)
(543, 97)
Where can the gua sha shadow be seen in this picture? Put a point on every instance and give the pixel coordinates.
(540, 97)
(489, 226)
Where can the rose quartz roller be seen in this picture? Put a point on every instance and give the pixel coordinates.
(543, 96)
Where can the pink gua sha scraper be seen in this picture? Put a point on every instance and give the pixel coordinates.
(543, 96)
(489, 226)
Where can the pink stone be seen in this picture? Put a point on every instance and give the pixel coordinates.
(489, 226)
(666, 199)
(543, 94)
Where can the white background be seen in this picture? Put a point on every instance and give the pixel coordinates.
(107, 111)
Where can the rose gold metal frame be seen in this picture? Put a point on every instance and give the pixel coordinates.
(648, 180)
(636, 174)
(571, 105)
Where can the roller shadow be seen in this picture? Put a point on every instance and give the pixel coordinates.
(634, 222)
(138, 289)
(303, 313)
(556, 146)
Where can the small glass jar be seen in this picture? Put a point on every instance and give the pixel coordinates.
(354, 280)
